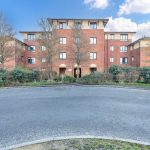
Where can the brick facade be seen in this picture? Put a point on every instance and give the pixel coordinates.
(111, 48)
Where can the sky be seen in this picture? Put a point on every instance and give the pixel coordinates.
(123, 15)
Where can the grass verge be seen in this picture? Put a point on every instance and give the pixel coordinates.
(85, 144)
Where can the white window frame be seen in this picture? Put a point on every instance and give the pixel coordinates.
(124, 37)
(43, 60)
(63, 40)
(123, 48)
(62, 25)
(112, 48)
(93, 55)
(43, 48)
(93, 40)
(31, 36)
(112, 36)
(111, 59)
(62, 55)
(31, 48)
(93, 25)
(133, 58)
(124, 58)
(33, 60)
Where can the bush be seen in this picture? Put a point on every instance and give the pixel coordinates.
(3, 77)
(130, 74)
(145, 74)
(69, 79)
(94, 78)
(23, 75)
(115, 71)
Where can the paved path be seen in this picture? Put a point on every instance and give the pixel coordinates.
(29, 114)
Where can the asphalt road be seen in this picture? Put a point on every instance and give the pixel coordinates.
(29, 114)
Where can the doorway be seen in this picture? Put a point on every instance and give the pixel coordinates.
(93, 70)
(75, 72)
(62, 72)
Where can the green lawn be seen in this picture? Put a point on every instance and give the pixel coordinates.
(85, 144)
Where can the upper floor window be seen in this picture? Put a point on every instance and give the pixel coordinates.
(78, 25)
(31, 48)
(62, 55)
(112, 48)
(132, 48)
(43, 60)
(31, 36)
(123, 60)
(62, 40)
(124, 37)
(62, 25)
(111, 59)
(123, 49)
(112, 36)
(93, 25)
(133, 58)
(31, 60)
(93, 56)
(93, 40)
(43, 48)
(77, 40)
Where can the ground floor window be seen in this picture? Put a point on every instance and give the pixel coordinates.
(31, 60)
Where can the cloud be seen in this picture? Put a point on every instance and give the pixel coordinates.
(100, 4)
(127, 25)
(134, 6)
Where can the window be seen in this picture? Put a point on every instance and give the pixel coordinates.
(78, 25)
(93, 56)
(31, 48)
(123, 49)
(31, 36)
(123, 60)
(77, 40)
(93, 40)
(31, 60)
(133, 58)
(112, 60)
(112, 48)
(43, 48)
(62, 55)
(62, 41)
(132, 48)
(93, 25)
(43, 60)
(124, 37)
(112, 36)
(62, 25)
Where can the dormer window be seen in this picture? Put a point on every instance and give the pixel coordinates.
(62, 25)
(93, 25)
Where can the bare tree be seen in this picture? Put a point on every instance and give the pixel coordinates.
(49, 39)
(6, 35)
(80, 47)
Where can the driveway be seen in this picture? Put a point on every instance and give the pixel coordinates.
(30, 114)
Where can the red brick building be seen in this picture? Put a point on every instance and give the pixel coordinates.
(107, 48)
(140, 52)
(17, 49)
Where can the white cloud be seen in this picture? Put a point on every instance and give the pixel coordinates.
(97, 3)
(134, 6)
(127, 25)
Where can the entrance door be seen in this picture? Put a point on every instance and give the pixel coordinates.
(62, 71)
(75, 72)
